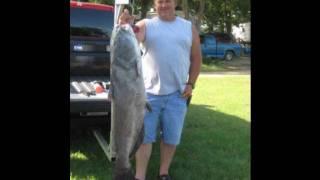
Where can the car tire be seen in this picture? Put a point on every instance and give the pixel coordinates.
(228, 56)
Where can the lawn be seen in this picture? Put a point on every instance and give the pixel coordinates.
(212, 65)
(215, 142)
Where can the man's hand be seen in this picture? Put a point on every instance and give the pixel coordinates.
(126, 18)
(187, 91)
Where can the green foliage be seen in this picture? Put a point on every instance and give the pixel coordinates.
(108, 2)
(219, 15)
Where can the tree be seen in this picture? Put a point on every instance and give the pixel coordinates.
(217, 15)
(222, 14)
(139, 5)
(199, 14)
(109, 2)
(143, 6)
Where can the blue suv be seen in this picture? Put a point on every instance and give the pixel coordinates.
(219, 45)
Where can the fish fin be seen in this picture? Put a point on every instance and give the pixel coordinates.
(138, 143)
(148, 106)
(111, 93)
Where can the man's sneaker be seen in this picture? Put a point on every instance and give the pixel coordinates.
(164, 177)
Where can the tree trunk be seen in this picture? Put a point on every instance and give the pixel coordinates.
(222, 25)
(227, 20)
(199, 15)
(229, 25)
(224, 16)
(185, 8)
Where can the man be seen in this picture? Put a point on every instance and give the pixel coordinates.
(171, 64)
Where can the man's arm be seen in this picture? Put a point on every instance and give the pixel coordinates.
(196, 57)
(140, 34)
(196, 60)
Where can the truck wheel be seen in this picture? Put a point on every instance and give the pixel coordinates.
(228, 56)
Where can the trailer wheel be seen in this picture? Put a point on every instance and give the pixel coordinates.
(228, 56)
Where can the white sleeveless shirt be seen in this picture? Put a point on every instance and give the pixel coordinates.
(166, 55)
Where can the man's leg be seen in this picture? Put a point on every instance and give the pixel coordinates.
(171, 126)
(151, 121)
(142, 159)
(166, 154)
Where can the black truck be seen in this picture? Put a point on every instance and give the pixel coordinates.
(90, 31)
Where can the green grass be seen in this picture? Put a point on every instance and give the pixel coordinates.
(87, 160)
(211, 65)
(216, 138)
(215, 142)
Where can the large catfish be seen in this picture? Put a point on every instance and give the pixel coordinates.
(128, 100)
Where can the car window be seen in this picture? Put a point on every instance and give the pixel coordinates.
(223, 37)
(210, 40)
(91, 22)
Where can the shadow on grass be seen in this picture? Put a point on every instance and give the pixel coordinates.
(214, 145)
(87, 160)
(217, 63)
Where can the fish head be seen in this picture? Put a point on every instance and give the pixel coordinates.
(124, 47)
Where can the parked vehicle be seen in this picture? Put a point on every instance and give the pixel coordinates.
(219, 45)
(246, 48)
(90, 30)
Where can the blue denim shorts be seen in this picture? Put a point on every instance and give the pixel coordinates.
(167, 118)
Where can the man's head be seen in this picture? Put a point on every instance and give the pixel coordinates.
(165, 9)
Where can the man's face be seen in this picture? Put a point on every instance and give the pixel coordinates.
(165, 8)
